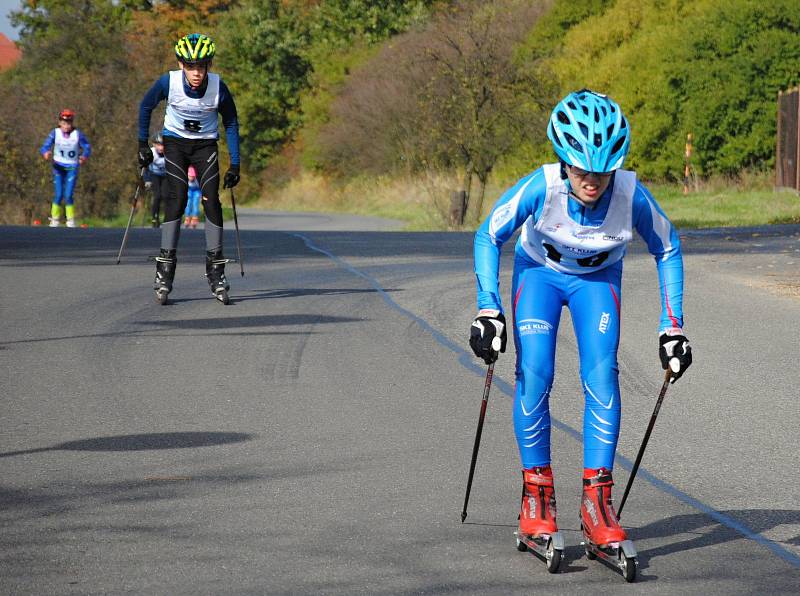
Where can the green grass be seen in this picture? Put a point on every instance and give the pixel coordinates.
(411, 201)
(727, 207)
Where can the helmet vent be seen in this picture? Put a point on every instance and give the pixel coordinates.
(573, 142)
(584, 129)
(624, 124)
(572, 105)
(598, 139)
(562, 117)
(554, 136)
(609, 130)
(618, 145)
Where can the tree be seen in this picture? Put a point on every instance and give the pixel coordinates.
(448, 96)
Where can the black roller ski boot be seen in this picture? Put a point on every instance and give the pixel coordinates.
(165, 274)
(215, 274)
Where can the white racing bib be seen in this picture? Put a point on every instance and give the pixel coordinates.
(66, 148)
(188, 117)
(558, 241)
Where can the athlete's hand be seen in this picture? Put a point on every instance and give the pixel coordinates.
(145, 155)
(82, 160)
(47, 155)
(231, 177)
(488, 325)
(674, 351)
(148, 185)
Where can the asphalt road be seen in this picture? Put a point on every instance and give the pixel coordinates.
(315, 435)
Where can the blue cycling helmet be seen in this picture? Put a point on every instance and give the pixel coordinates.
(588, 131)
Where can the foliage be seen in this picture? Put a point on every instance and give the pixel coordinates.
(88, 77)
(355, 86)
(264, 64)
(447, 96)
(710, 67)
(287, 59)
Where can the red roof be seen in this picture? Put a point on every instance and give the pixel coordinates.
(9, 52)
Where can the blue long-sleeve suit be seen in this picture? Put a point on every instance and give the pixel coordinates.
(540, 290)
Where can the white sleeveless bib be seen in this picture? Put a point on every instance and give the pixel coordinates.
(65, 149)
(558, 241)
(188, 117)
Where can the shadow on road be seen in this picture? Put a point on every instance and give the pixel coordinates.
(258, 321)
(143, 442)
(698, 530)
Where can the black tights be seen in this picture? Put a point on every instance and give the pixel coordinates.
(203, 155)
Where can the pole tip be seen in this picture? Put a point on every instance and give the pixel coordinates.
(463, 516)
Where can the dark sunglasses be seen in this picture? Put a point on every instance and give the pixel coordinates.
(583, 173)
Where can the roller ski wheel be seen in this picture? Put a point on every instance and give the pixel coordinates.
(222, 296)
(621, 556)
(548, 547)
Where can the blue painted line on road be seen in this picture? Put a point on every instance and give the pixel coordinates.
(467, 360)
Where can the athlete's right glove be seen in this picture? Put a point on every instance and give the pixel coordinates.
(145, 155)
(674, 352)
(488, 325)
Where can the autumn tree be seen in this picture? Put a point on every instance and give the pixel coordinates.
(449, 96)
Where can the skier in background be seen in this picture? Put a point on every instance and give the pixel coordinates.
(192, 212)
(69, 149)
(156, 179)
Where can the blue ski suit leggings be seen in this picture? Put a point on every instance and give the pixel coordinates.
(64, 179)
(593, 299)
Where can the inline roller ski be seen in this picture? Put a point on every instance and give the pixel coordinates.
(215, 274)
(165, 274)
(538, 532)
(603, 538)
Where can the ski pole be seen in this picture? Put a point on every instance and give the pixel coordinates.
(238, 242)
(650, 426)
(496, 343)
(130, 217)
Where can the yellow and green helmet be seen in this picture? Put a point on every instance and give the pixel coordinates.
(195, 48)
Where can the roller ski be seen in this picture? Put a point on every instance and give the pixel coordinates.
(603, 537)
(215, 274)
(538, 532)
(165, 274)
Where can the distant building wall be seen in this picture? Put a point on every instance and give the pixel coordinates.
(9, 53)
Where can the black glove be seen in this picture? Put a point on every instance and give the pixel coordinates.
(488, 325)
(674, 351)
(145, 155)
(231, 177)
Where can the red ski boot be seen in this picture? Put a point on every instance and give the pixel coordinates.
(538, 512)
(598, 518)
(602, 535)
(538, 532)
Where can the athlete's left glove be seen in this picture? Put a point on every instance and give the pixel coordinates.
(489, 325)
(231, 177)
(145, 155)
(674, 352)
